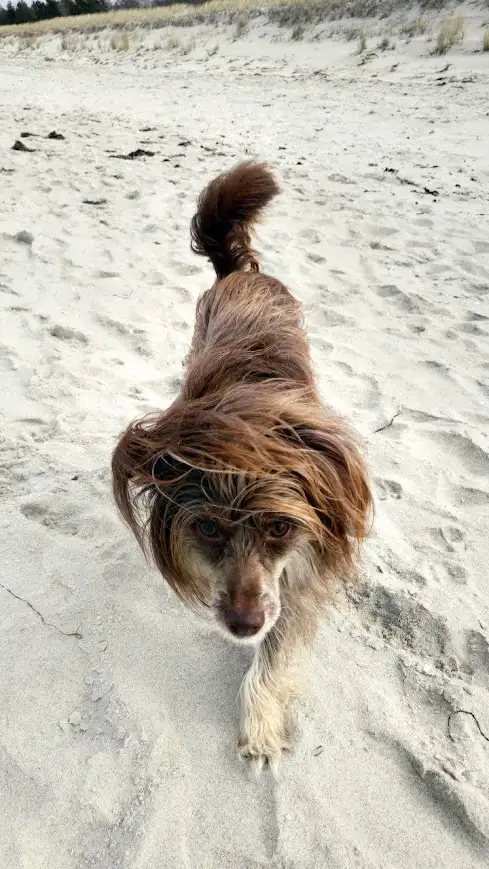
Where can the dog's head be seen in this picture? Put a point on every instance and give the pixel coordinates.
(230, 494)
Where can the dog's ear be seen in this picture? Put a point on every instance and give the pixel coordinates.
(166, 468)
(140, 462)
(335, 481)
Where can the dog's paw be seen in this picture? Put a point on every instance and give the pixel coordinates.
(262, 744)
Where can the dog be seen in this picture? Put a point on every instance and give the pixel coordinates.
(250, 495)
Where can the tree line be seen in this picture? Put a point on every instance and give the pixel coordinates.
(41, 10)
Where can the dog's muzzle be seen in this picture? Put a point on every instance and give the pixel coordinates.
(244, 622)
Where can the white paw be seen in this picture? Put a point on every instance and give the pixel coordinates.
(262, 742)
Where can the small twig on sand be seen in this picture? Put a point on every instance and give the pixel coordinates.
(47, 624)
(388, 424)
(471, 714)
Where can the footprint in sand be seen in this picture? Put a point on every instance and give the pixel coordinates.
(186, 269)
(65, 333)
(484, 388)
(135, 338)
(402, 300)
(64, 519)
(137, 393)
(366, 385)
(448, 538)
(181, 325)
(402, 620)
(476, 317)
(382, 231)
(4, 288)
(425, 222)
(336, 318)
(310, 235)
(389, 489)
(470, 457)
(448, 571)
(8, 359)
(477, 650)
(315, 258)
(464, 496)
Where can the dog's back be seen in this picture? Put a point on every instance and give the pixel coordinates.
(248, 325)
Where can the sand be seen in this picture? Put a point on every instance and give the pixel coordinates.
(117, 707)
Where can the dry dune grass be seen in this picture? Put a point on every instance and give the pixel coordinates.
(242, 23)
(451, 33)
(125, 18)
(414, 27)
(154, 17)
(70, 43)
(284, 12)
(362, 43)
(120, 41)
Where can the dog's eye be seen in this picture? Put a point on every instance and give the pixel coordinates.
(280, 528)
(208, 529)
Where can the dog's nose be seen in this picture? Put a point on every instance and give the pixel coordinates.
(244, 623)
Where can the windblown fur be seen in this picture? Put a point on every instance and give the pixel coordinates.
(248, 449)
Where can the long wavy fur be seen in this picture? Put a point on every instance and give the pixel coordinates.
(248, 432)
(227, 211)
(249, 405)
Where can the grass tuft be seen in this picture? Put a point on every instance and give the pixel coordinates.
(352, 33)
(71, 43)
(298, 32)
(452, 32)
(414, 28)
(173, 43)
(242, 24)
(120, 41)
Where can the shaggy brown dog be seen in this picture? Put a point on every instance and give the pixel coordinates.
(250, 495)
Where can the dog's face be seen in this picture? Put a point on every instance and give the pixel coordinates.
(240, 565)
(243, 498)
(222, 546)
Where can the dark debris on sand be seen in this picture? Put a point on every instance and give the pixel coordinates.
(133, 155)
(19, 146)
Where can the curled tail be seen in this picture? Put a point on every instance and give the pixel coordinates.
(227, 210)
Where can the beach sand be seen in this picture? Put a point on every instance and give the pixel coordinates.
(117, 707)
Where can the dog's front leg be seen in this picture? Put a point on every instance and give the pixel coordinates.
(265, 695)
